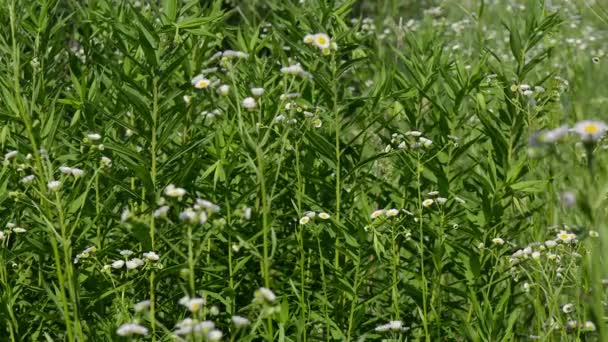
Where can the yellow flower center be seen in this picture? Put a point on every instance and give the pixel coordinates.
(321, 40)
(591, 129)
(563, 236)
(202, 84)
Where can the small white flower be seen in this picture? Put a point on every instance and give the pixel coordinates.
(76, 172)
(555, 135)
(589, 326)
(265, 295)
(317, 123)
(392, 212)
(536, 255)
(194, 304)
(308, 39)
(550, 243)
(142, 306)
(2, 235)
(304, 220)
(28, 179)
(126, 252)
(118, 264)
(247, 214)
(590, 131)
(324, 216)
(106, 162)
(10, 155)
(566, 237)
(425, 142)
(498, 241)
(377, 213)
(134, 263)
(433, 193)
(321, 40)
(65, 170)
(413, 133)
(19, 230)
(568, 308)
(94, 136)
(526, 287)
(441, 200)
(125, 215)
(296, 70)
(310, 214)
(257, 92)
(200, 82)
(481, 245)
(208, 205)
(428, 202)
(594, 234)
(162, 211)
(152, 256)
(240, 322)
(172, 191)
(130, 329)
(214, 335)
(249, 103)
(54, 185)
(223, 90)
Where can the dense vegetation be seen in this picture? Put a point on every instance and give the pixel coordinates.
(310, 170)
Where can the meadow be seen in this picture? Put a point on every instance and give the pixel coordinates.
(303, 170)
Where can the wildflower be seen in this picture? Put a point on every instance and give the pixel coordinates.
(391, 326)
(134, 263)
(27, 179)
(214, 335)
(172, 191)
(200, 82)
(125, 215)
(595, 60)
(118, 264)
(555, 135)
(240, 322)
(205, 204)
(324, 216)
(106, 162)
(321, 40)
(125, 252)
(535, 255)
(392, 212)
(498, 241)
(129, 329)
(304, 220)
(257, 92)
(235, 54)
(441, 200)
(162, 211)
(77, 172)
(152, 256)
(433, 193)
(265, 295)
(565, 236)
(590, 131)
(94, 136)
(310, 214)
(295, 70)
(589, 326)
(54, 185)
(19, 230)
(2, 235)
(65, 170)
(425, 142)
(413, 133)
(481, 246)
(568, 198)
(427, 202)
(10, 155)
(249, 103)
(223, 90)
(128, 132)
(317, 123)
(247, 214)
(526, 287)
(550, 243)
(567, 308)
(376, 214)
(594, 234)
(142, 306)
(193, 304)
(308, 39)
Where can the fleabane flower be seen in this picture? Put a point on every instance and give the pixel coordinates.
(590, 131)
(322, 41)
(240, 322)
(392, 212)
(428, 202)
(142, 306)
(118, 264)
(54, 185)
(130, 329)
(193, 304)
(265, 295)
(324, 216)
(257, 92)
(568, 308)
(376, 214)
(498, 241)
(200, 82)
(152, 256)
(249, 103)
(134, 263)
(172, 191)
(304, 220)
(566, 237)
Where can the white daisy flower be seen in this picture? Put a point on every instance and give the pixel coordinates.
(265, 295)
(377, 213)
(240, 322)
(172, 191)
(441, 200)
(134, 263)
(94, 136)
(142, 306)
(19, 230)
(413, 133)
(214, 335)
(54, 185)
(129, 329)
(223, 90)
(568, 308)
(257, 92)
(324, 216)
(594, 234)
(304, 220)
(28, 179)
(321, 40)
(200, 82)
(309, 39)
(249, 103)
(498, 241)
(106, 162)
(392, 212)
(205, 204)
(428, 202)
(126, 252)
(152, 256)
(76, 172)
(118, 264)
(194, 304)
(425, 142)
(590, 131)
(317, 123)
(589, 326)
(65, 170)
(162, 211)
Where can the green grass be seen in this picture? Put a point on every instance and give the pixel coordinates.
(402, 178)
